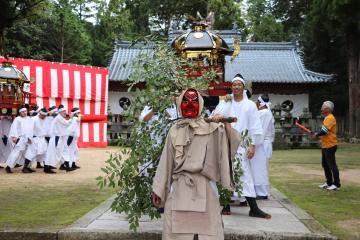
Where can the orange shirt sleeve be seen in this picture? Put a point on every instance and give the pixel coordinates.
(329, 122)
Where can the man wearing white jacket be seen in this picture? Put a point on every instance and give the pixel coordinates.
(72, 150)
(59, 132)
(247, 115)
(52, 113)
(260, 162)
(21, 133)
(37, 150)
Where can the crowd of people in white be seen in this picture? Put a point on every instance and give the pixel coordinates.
(45, 136)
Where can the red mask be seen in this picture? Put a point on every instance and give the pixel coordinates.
(190, 104)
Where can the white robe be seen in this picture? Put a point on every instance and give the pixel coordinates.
(5, 150)
(260, 162)
(72, 151)
(37, 150)
(248, 118)
(22, 129)
(55, 153)
(49, 120)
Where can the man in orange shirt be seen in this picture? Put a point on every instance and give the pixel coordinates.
(327, 135)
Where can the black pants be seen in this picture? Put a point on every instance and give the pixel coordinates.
(330, 168)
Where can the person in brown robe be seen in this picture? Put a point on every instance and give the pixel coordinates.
(195, 157)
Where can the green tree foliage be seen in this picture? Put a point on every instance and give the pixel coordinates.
(85, 9)
(27, 38)
(262, 24)
(331, 39)
(113, 21)
(67, 36)
(56, 34)
(164, 12)
(139, 14)
(227, 13)
(292, 15)
(13, 11)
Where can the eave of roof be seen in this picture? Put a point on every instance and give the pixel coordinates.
(265, 62)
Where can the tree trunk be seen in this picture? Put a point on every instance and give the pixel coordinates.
(354, 85)
(2, 42)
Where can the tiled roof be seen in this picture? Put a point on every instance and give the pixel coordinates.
(271, 62)
(121, 63)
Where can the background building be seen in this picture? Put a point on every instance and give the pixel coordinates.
(275, 68)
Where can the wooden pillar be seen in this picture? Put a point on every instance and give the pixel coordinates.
(354, 85)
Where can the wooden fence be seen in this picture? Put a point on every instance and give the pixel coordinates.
(342, 125)
(119, 128)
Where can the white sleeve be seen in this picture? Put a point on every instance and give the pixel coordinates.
(223, 108)
(73, 127)
(64, 122)
(13, 129)
(271, 128)
(255, 127)
(144, 112)
(172, 111)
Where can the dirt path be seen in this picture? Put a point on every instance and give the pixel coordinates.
(348, 175)
(91, 162)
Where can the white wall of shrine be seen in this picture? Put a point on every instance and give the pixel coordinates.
(300, 101)
(114, 98)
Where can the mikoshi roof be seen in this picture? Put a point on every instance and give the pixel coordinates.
(262, 62)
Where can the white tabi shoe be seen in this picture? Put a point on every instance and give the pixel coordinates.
(333, 187)
(324, 186)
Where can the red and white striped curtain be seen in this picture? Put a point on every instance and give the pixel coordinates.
(71, 85)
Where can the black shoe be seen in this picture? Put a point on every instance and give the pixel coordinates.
(48, 170)
(1, 167)
(262, 197)
(243, 204)
(8, 169)
(32, 170)
(75, 166)
(63, 167)
(18, 165)
(226, 210)
(26, 170)
(69, 169)
(259, 214)
(51, 167)
(38, 165)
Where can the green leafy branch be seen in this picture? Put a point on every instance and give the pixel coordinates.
(164, 76)
(225, 195)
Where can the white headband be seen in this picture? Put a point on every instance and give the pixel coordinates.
(22, 110)
(263, 103)
(77, 111)
(43, 113)
(53, 110)
(62, 109)
(238, 79)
